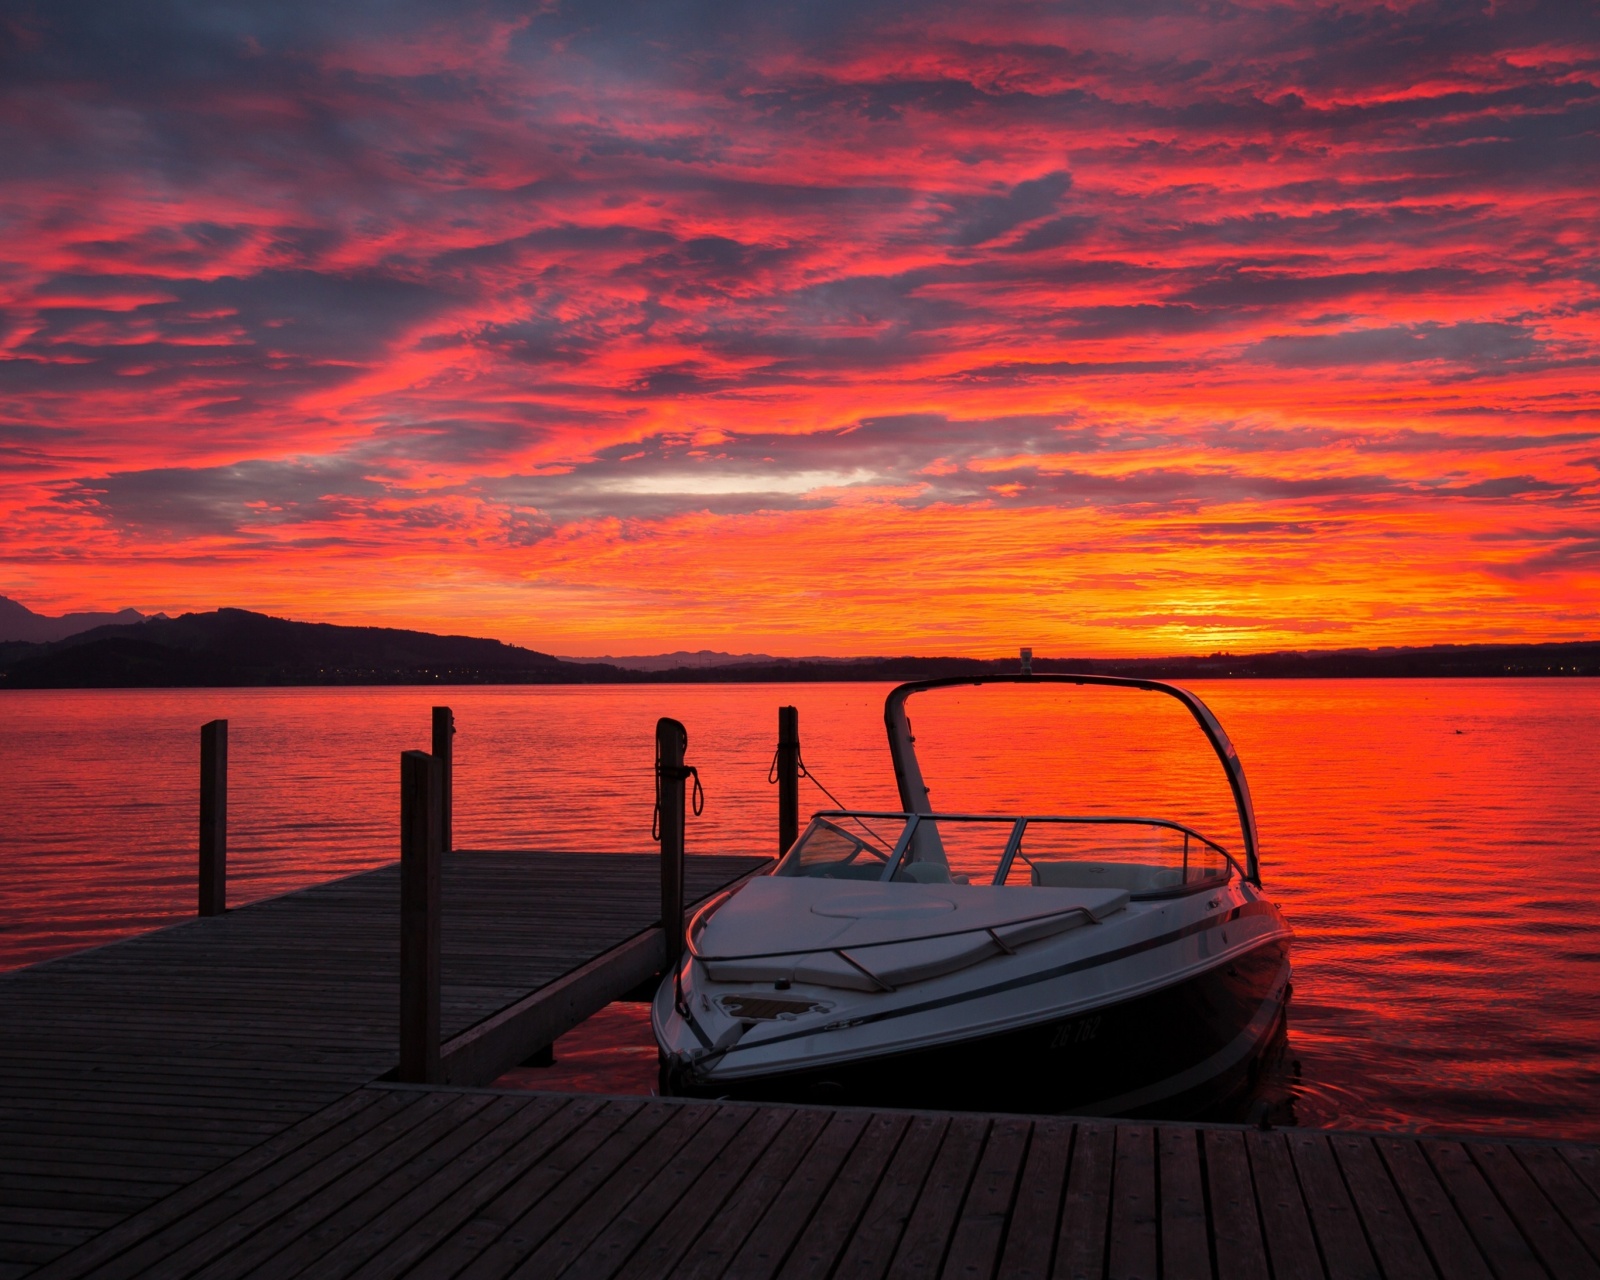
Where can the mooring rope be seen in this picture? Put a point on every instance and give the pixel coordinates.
(697, 797)
(800, 761)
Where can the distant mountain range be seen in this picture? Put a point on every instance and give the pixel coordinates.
(681, 659)
(235, 647)
(18, 622)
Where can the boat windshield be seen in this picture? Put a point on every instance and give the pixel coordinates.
(1100, 747)
(1149, 857)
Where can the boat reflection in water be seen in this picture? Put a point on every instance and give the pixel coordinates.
(1086, 964)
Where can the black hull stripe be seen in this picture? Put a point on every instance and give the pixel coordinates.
(1028, 980)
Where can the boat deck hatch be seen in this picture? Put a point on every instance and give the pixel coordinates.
(768, 1008)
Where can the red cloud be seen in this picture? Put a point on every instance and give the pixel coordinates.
(619, 333)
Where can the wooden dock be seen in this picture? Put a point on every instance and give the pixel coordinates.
(216, 1099)
(130, 1071)
(428, 1182)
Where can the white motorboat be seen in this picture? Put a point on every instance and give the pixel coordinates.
(1115, 965)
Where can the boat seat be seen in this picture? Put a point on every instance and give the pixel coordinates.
(1076, 873)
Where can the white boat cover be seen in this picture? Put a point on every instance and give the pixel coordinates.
(868, 936)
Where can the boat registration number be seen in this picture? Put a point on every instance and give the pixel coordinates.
(1078, 1031)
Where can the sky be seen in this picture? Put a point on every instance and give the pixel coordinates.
(1133, 327)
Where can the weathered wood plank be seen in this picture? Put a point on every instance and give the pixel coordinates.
(816, 1177)
(1291, 1247)
(1133, 1247)
(61, 1217)
(928, 1230)
(1398, 1248)
(598, 1211)
(1185, 1245)
(139, 1241)
(683, 1174)
(534, 1135)
(975, 1245)
(710, 1198)
(425, 1160)
(775, 1173)
(1539, 1222)
(1030, 1241)
(1086, 1211)
(1498, 1239)
(545, 1201)
(1578, 1205)
(17, 1233)
(872, 1246)
(1585, 1162)
(465, 1243)
(1333, 1215)
(1236, 1228)
(414, 1192)
(834, 1222)
(1438, 1223)
(290, 1216)
(493, 1046)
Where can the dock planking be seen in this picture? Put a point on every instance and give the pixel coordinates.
(422, 1181)
(131, 1070)
(208, 1101)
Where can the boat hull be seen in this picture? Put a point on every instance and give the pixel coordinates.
(1190, 1049)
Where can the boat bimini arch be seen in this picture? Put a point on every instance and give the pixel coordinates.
(914, 791)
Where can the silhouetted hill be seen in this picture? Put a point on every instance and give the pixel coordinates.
(701, 658)
(1577, 658)
(1574, 658)
(236, 647)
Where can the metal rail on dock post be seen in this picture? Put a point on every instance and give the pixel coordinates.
(214, 818)
(787, 767)
(671, 778)
(421, 857)
(444, 736)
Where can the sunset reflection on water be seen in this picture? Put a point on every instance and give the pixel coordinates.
(1432, 841)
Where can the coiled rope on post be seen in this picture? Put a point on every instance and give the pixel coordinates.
(697, 797)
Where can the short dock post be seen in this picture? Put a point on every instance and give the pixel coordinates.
(444, 735)
(671, 740)
(788, 770)
(421, 856)
(214, 818)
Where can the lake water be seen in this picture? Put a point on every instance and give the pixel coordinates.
(1433, 843)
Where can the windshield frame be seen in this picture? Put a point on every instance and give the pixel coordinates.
(914, 791)
(833, 819)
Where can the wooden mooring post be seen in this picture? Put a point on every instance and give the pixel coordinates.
(444, 736)
(787, 767)
(671, 741)
(214, 818)
(421, 856)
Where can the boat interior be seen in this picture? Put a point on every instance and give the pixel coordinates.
(1144, 856)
